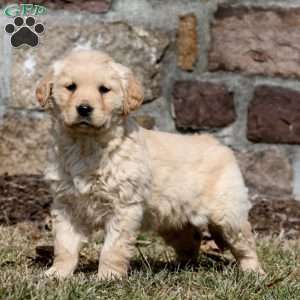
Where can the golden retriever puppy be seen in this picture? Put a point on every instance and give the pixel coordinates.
(109, 173)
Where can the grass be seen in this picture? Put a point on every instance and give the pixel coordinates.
(154, 275)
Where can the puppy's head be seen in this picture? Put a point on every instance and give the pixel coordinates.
(88, 91)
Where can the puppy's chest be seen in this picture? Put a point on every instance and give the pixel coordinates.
(102, 188)
(86, 177)
(88, 200)
(95, 186)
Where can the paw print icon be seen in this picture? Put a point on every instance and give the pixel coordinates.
(24, 33)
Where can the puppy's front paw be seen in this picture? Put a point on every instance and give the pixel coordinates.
(57, 273)
(105, 273)
(252, 265)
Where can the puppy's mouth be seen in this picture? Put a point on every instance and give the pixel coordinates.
(83, 124)
(86, 125)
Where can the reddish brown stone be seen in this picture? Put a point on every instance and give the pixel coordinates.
(274, 116)
(256, 40)
(202, 105)
(267, 172)
(187, 42)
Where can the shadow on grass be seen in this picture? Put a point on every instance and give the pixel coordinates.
(206, 261)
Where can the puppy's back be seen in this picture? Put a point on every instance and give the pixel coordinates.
(179, 147)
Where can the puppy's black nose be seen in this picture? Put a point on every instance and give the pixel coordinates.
(84, 110)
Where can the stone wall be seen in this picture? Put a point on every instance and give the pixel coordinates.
(231, 68)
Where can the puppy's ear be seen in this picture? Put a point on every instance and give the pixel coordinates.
(44, 89)
(132, 88)
(135, 94)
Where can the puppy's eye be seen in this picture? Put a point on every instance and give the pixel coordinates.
(71, 87)
(104, 90)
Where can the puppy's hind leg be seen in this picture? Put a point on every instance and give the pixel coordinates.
(66, 247)
(228, 206)
(240, 241)
(185, 241)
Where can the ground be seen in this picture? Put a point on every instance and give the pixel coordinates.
(26, 251)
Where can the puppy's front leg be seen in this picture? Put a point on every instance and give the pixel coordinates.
(66, 246)
(121, 233)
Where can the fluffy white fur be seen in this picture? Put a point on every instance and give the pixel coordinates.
(123, 178)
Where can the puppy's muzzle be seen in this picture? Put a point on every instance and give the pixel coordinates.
(84, 110)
